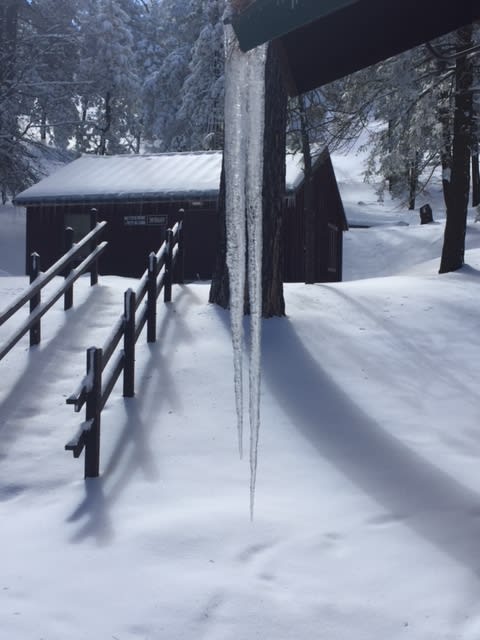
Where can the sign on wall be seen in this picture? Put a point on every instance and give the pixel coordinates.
(153, 220)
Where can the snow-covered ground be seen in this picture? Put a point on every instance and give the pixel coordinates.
(367, 522)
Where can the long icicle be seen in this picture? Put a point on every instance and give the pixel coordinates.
(235, 162)
(254, 193)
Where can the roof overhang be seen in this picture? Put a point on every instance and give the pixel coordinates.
(323, 40)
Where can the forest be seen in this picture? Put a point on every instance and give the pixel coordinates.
(134, 76)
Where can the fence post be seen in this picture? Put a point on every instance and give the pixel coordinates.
(68, 297)
(94, 245)
(35, 331)
(168, 267)
(180, 266)
(129, 344)
(93, 412)
(152, 298)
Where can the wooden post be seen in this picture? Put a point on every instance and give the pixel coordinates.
(35, 331)
(94, 245)
(93, 412)
(152, 298)
(180, 264)
(129, 344)
(68, 297)
(168, 267)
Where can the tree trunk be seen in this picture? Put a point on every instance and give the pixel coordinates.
(456, 225)
(102, 149)
(8, 40)
(413, 182)
(43, 126)
(273, 201)
(308, 204)
(274, 186)
(444, 119)
(475, 176)
(220, 287)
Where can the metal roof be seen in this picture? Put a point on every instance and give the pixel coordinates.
(165, 176)
(323, 40)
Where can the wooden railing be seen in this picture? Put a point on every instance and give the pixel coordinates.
(38, 280)
(95, 388)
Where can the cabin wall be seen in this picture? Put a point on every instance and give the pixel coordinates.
(44, 235)
(329, 226)
(134, 230)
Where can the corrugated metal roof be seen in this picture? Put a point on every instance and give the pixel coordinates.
(165, 176)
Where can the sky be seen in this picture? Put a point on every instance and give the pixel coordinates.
(367, 517)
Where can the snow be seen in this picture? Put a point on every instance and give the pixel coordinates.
(367, 517)
(164, 175)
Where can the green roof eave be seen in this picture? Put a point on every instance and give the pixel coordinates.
(319, 41)
(266, 20)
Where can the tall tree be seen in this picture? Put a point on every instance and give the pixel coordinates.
(273, 303)
(109, 78)
(201, 113)
(178, 23)
(454, 239)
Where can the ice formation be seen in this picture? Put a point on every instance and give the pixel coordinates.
(244, 127)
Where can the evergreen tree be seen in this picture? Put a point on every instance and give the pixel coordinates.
(177, 29)
(201, 115)
(108, 75)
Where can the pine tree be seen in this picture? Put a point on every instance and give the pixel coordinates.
(108, 75)
(200, 116)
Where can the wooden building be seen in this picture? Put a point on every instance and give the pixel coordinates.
(330, 223)
(140, 197)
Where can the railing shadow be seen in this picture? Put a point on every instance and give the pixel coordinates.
(38, 360)
(432, 503)
(407, 486)
(131, 450)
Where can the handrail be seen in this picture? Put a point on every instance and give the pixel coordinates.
(129, 325)
(42, 309)
(54, 270)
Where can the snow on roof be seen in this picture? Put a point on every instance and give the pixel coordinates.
(165, 176)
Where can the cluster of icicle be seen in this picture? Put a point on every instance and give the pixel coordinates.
(243, 154)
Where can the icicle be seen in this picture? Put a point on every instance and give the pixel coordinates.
(254, 188)
(235, 162)
(243, 153)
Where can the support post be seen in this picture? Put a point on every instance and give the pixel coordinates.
(93, 412)
(94, 245)
(152, 298)
(68, 297)
(35, 331)
(180, 263)
(129, 344)
(168, 267)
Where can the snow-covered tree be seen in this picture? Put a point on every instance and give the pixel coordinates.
(108, 77)
(179, 22)
(36, 42)
(201, 111)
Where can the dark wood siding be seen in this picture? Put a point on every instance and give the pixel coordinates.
(329, 226)
(129, 243)
(45, 235)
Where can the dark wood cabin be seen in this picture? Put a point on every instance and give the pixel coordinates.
(330, 223)
(140, 197)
